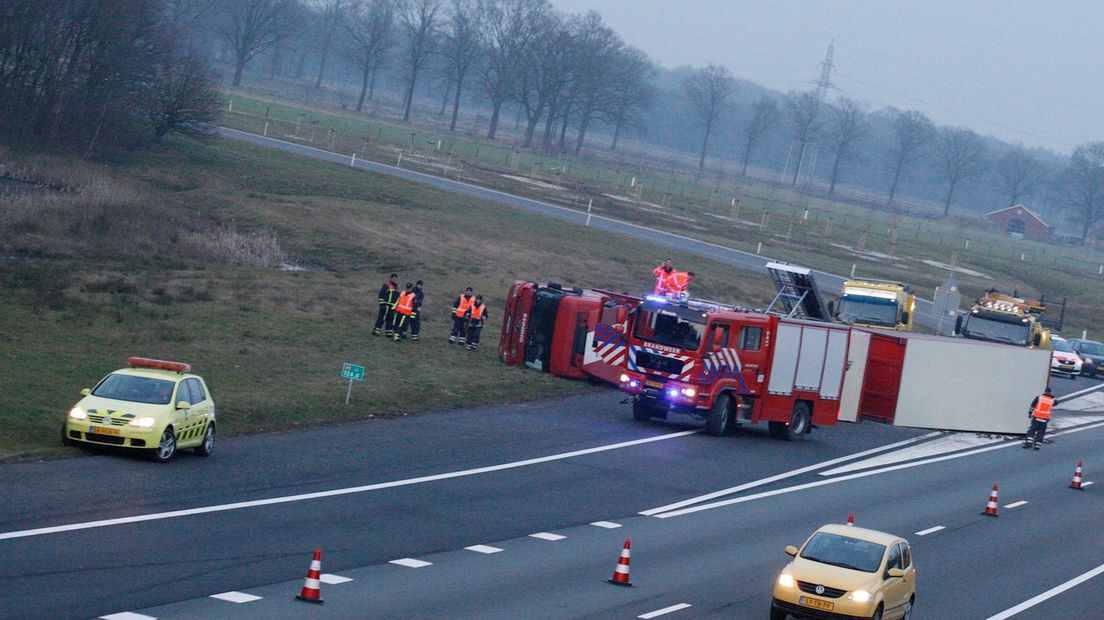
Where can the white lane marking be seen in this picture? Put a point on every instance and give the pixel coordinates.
(547, 536)
(609, 526)
(411, 563)
(483, 549)
(775, 478)
(862, 474)
(335, 492)
(930, 530)
(951, 442)
(1087, 483)
(1063, 399)
(1051, 593)
(127, 615)
(1016, 504)
(236, 597)
(333, 580)
(665, 610)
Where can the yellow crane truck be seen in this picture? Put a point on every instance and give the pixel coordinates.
(875, 303)
(997, 317)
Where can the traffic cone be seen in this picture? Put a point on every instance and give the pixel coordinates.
(991, 507)
(312, 588)
(621, 571)
(851, 518)
(1076, 484)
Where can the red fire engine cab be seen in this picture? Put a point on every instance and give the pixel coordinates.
(731, 365)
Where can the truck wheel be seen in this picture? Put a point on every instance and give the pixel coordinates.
(798, 426)
(720, 416)
(642, 411)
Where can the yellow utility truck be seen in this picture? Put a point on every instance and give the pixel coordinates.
(875, 303)
(997, 317)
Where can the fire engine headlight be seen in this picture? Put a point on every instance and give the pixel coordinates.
(143, 422)
(860, 596)
(689, 392)
(78, 414)
(624, 378)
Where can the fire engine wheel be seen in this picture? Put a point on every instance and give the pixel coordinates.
(798, 426)
(719, 420)
(642, 411)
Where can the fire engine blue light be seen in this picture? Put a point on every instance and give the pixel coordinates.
(656, 298)
(672, 393)
(634, 383)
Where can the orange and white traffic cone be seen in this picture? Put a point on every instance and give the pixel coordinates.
(851, 518)
(312, 587)
(621, 571)
(1076, 484)
(991, 507)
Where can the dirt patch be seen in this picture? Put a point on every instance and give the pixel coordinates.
(969, 272)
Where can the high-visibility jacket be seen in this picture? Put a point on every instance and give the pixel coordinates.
(405, 304)
(661, 279)
(476, 313)
(462, 304)
(678, 282)
(1042, 407)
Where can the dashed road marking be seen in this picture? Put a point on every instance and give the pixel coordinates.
(1016, 504)
(483, 549)
(606, 524)
(547, 536)
(1086, 484)
(665, 610)
(333, 579)
(127, 615)
(411, 563)
(930, 530)
(236, 597)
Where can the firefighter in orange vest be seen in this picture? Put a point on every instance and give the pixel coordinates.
(460, 309)
(1040, 415)
(477, 317)
(388, 294)
(661, 273)
(404, 307)
(678, 283)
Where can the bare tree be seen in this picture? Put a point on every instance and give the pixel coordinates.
(598, 52)
(960, 156)
(370, 26)
(846, 127)
(332, 14)
(250, 27)
(543, 71)
(183, 98)
(708, 92)
(912, 131)
(805, 114)
(460, 49)
(631, 93)
(505, 29)
(418, 28)
(764, 116)
(1081, 187)
(1019, 173)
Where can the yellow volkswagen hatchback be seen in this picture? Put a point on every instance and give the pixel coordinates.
(152, 405)
(847, 572)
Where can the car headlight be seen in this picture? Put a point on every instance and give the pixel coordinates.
(689, 392)
(143, 422)
(78, 414)
(860, 596)
(786, 580)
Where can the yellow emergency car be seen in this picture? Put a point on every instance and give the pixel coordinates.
(152, 405)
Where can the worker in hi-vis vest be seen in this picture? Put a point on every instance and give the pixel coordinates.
(388, 294)
(661, 273)
(477, 317)
(404, 307)
(678, 283)
(460, 309)
(1040, 415)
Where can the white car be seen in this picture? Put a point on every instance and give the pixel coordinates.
(1063, 359)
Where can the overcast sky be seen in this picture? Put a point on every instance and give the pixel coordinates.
(1027, 72)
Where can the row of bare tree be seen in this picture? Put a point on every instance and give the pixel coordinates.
(93, 75)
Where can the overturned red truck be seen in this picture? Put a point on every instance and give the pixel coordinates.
(787, 365)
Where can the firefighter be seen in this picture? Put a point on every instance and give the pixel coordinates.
(477, 317)
(661, 273)
(416, 316)
(678, 283)
(388, 294)
(1039, 413)
(460, 309)
(404, 307)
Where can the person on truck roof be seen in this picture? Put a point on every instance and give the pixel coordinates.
(678, 283)
(661, 273)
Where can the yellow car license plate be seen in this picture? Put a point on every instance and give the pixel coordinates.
(103, 431)
(655, 384)
(819, 604)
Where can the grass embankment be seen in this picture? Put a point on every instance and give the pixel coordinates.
(173, 255)
(780, 223)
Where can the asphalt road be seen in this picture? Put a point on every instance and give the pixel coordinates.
(743, 260)
(94, 536)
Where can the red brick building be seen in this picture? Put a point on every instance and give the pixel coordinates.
(1019, 221)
